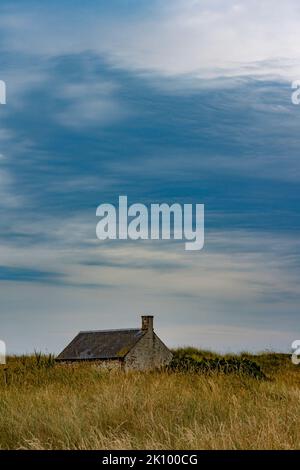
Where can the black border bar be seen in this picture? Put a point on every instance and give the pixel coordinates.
(140, 458)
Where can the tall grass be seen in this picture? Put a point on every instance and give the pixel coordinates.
(44, 405)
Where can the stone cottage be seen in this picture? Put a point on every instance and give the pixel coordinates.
(139, 349)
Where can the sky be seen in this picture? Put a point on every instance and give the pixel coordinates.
(184, 101)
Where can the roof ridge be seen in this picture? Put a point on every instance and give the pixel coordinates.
(110, 331)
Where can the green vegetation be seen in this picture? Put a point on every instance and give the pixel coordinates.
(191, 360)
(224, 405)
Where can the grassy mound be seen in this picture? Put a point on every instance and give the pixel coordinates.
(193, 361)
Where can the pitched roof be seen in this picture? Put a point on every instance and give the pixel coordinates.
(106, 344)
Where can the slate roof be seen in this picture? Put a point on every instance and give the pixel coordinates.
(106, 344)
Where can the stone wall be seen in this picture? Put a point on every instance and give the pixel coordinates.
(149, 353)
(108, 364)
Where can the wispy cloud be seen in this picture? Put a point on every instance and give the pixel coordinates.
(89, 104)
(181, 37)
(22, 274)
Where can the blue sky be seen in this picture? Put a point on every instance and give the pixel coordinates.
(182, 101)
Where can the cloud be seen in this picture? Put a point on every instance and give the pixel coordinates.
(228, 338)
(212, 39)
(88, 104)
(241, 279)
(205, 39)
(22, 274)
(8, 199)
(263, 266)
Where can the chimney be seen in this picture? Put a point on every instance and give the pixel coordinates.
(147, 322)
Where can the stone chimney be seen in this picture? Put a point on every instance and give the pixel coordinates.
(147, 322)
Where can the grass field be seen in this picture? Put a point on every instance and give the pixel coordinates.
(47, 406)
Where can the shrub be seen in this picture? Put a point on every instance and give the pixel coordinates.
(192, 362)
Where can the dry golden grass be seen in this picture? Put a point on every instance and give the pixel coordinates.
(81, 407)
